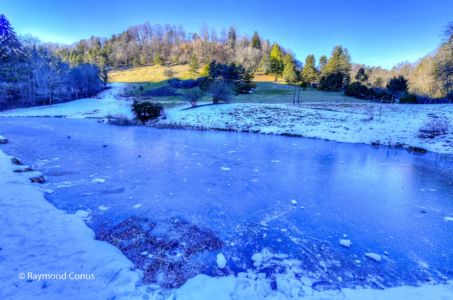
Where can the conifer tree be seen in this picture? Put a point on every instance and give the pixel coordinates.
(256, 41)
(276, 61)
(289, 70)
(9, 44)
(322, 63)
(309, 72)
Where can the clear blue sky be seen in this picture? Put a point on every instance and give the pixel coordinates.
(381, 32)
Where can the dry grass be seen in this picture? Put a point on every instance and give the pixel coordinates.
(149, 74)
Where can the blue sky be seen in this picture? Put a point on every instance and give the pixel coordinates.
(381, 32)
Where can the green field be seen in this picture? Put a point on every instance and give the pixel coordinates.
(144, 79)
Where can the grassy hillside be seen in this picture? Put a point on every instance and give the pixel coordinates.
(267, 90)
(149, 74)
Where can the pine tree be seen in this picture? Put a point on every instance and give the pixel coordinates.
(322, 63)
(231, 42)
(361, 76)
(9, 44)
(256, 41)
(276, 61)
(309, 72)
(339, 61)
(289, 70)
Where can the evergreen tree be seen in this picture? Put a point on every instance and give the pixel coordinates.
(289, 70)
(276, 61)
(361, 76)
(158, 60)
(322, 63)
(256, 41)
(339, 61)
(9, 44)
(309, 72)
(231, 42)
(397, 86)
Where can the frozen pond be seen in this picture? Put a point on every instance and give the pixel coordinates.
(204, 193)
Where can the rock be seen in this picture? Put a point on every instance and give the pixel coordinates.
(373, 256)
(69, 136)
(16, 161)
(345, 243)
(23, 170)
(104, 146)
(3, 140)
(38, 179)
(221, 261)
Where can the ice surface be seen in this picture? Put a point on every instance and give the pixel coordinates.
(334, 180)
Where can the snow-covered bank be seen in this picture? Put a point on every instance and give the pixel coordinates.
(354, 123)
(251, 287)
(106, 103)
(36, 237)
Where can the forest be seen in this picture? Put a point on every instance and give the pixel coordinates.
(32, 72)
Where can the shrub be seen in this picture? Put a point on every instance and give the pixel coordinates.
(408, 98)
(434, 127)
(334, 82)
(358, 90)
(145, 110)
(169, 73)
(221, 91)
(192, 96)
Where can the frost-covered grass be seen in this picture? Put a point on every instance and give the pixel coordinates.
(369, 123)
(106, 103)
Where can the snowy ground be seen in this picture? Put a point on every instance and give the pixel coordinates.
(353, 123)
(38, 238)
(105, 104)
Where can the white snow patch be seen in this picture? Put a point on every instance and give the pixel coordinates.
(137, 205)
(373, 256)
(221, 261)
(344, 122)
(98, 180)
(345, 243)
(448, 219)
(103, 207)
(105, 104)
(293, 202)
(3, 140)
(225, 169)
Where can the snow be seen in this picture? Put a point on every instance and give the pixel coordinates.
(293, 202)
(385, 124)
(345, 243)
(221, 261)
(3, 140)
(373, 256)
(447, 219)
(255, 286)
(36, 237)
(105, 104)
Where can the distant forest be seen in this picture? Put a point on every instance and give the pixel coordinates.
(142, 45)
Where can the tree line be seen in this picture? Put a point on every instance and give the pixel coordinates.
(32, 73)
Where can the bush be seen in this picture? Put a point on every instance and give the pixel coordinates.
(221, 91)
(358, 90)
(408, 98)
(184, 84)
(334, 82)
(145, 111)
(192, 96)
(434, 127)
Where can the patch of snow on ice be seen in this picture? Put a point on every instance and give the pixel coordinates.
(225, 169)
(448, 219)
(373, 256)
(345, 243)
(221, 261)
(98, 180)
